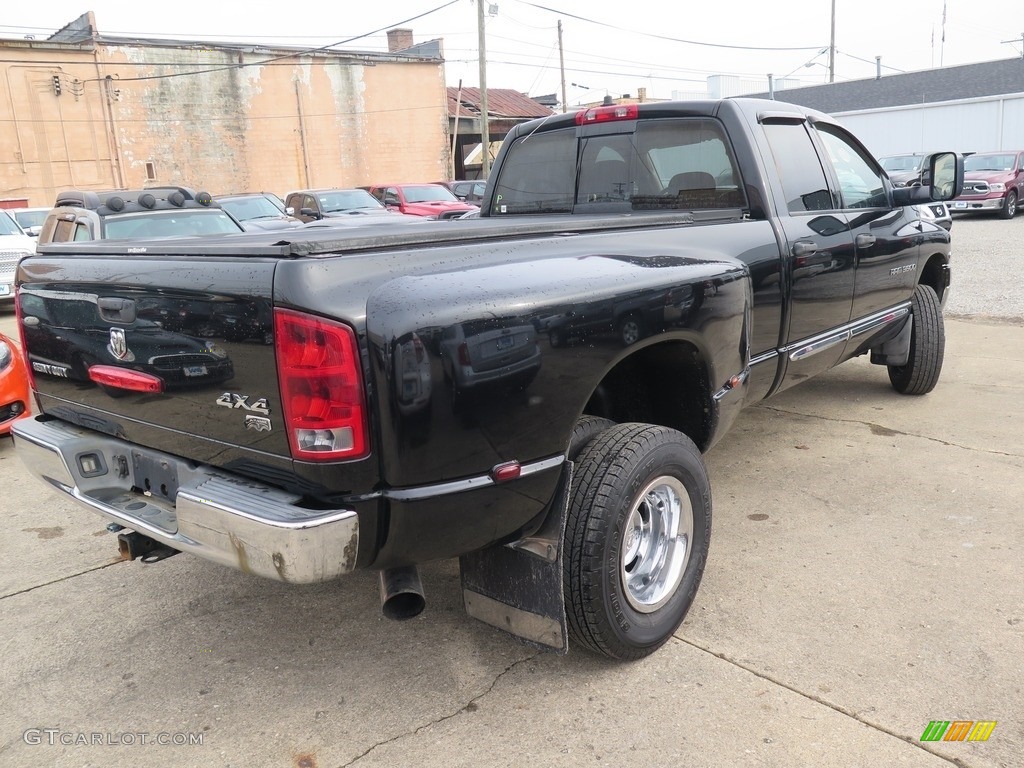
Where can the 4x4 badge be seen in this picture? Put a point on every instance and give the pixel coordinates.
(232, 400)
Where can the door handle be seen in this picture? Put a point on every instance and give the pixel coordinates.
(804, 248)
(864, 240)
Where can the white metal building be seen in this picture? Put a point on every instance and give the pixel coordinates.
(968, 108)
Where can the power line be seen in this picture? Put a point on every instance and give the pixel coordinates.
(665, 37)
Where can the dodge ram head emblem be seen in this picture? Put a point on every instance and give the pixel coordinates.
(119, 345)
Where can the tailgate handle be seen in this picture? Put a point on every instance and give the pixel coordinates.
(116, 309)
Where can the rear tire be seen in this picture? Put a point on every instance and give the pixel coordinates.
(636, 539)
(586, 429)
(927, 346)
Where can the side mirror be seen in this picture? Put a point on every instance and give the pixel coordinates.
(943, 179)
(309, 212)
(290, 210)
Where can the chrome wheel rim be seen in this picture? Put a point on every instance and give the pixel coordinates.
(656, 544)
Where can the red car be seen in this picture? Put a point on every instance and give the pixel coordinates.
(993, 182)
(432, 201)
(14, 392)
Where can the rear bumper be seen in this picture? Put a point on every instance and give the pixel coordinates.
(215, 515)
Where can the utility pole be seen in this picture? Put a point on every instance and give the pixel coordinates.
(832, 47)
(485, 134)
(561, 64)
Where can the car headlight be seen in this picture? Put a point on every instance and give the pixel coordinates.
(997, 187)
(6, 355)
(219, 352)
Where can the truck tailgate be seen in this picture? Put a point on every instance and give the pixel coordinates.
(143, 349)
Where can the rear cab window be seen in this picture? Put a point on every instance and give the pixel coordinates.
(650, 165)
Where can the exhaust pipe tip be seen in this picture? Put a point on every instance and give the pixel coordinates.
(401, 593)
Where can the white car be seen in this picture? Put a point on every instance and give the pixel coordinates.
(30, 219)
(14, 245)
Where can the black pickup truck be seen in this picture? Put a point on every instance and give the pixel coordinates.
(529, 391)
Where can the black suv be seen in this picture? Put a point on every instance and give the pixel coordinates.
(135, 214)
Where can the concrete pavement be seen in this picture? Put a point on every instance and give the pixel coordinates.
(864, 579)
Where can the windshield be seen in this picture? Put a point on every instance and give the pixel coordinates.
(8, 226)
(246, 208)
(428, 193)
(347, 200)
(31, 218)
(989, 162)
(901, 162)
(182, 223)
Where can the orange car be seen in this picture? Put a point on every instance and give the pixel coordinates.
(14, 392)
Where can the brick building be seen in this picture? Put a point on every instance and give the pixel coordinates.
(96, 112)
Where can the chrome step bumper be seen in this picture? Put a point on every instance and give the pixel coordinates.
(199, 509)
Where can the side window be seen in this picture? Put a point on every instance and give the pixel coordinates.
(685, 163)
(310, 202)
(803, 179)
(859, 182)
(64, 231)
(82, 231)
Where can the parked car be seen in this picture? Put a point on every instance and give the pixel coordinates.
(14, 394)
(488, 352)
(466, 191)
(432, 201)
(258, 211)
(135, 214)
(14, 245)
(30, 219)
(573, 492)
(904, 170)
(319, 204)
(993, 183)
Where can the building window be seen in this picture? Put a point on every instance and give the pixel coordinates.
(150, 171)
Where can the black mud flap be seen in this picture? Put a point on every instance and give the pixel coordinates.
(517, 587)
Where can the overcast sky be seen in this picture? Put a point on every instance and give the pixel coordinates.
(609, 47)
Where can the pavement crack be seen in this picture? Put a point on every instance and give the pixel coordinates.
(879, 429)
(839, 708)
(61, 579)
(469, 706)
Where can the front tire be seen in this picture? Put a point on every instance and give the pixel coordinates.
(1009, 209)
(636, 539)
(927, 346)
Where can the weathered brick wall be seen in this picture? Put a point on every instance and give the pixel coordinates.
(318, 121)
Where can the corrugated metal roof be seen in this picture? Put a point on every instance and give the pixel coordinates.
(501, 102)
(968, 81)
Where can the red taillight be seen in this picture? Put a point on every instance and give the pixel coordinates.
(607, 114)
(124, 378)
(321, 387)
(464, 354)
